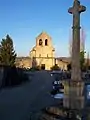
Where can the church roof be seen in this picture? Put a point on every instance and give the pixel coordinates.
(43, 33)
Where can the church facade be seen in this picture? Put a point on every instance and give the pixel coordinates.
(42, 55)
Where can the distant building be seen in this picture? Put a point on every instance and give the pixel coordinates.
(62, 63)
(23, 62)
(42, 54)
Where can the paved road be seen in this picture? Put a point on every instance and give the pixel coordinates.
(17, 103)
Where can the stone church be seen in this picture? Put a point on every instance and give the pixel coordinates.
(42, 54)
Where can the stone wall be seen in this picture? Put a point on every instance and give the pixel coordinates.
(23, 62)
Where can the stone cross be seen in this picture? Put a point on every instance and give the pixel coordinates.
(75, 61)
(73, 89)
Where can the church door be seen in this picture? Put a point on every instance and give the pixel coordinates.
(42, 66)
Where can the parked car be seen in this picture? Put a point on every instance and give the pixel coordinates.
(57, 75)
(57, 85)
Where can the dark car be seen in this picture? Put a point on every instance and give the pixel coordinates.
(57, 85)
(57, 75)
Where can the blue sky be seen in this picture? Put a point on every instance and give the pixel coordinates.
(23, 20)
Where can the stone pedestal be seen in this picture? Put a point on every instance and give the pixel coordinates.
(74, 95)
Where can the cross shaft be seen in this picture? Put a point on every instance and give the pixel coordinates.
(76, 10)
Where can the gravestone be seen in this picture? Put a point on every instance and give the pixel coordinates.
(73, 92)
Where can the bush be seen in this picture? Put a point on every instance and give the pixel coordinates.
(13, 76)
(22, 75)
(55, 67)
(37, 68)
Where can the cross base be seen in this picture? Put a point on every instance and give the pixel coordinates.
(73, 95)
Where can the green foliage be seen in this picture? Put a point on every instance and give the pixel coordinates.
(82, 59)
(55, 67)
(82, 62)
(7, 53)
(35, 68)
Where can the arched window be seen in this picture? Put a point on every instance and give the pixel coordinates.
(46, 42)
(40, 42)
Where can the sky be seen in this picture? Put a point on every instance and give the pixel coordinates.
(24, 20)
